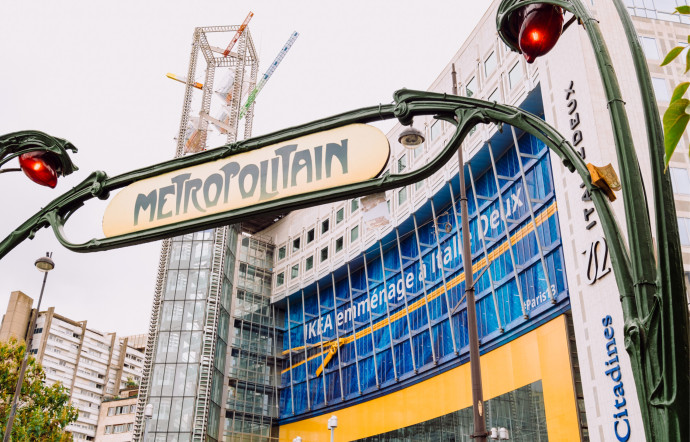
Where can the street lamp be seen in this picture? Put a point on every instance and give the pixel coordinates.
(655, 313)
(332, 425)
(410, 138)
(42, 158)
(499, 434)
(43, 264)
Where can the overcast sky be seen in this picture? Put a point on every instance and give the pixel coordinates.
(94, 73)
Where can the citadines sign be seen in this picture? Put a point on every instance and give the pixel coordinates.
(319, 161)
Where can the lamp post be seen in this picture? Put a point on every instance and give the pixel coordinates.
(411, 138)
(654, 309)
(332, 425)
(43, 158)
(43, 264)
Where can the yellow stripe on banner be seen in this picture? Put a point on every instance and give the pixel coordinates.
(500, 250)
(539, 355)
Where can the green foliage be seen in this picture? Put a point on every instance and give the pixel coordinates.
(43, 411)
(131, 383)
(677, 115)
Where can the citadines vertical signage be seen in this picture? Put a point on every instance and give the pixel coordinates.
(319, 161)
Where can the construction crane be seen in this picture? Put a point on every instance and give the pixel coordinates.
(244, 24)
(267, 75)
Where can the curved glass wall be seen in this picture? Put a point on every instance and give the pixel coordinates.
(397, 311)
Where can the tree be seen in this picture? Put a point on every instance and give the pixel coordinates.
(677, 115)
(43, 410)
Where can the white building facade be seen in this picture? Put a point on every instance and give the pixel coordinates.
(92, 365)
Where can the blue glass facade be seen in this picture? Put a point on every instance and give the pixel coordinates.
(382, 320)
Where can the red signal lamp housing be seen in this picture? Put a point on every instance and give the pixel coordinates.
(41, 167)
(540, 29)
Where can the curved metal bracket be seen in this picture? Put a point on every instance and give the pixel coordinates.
(464, 113)
(17, 143)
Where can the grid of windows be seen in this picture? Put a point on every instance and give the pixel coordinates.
(251, 391)
(121, 428)
(121, 409)
(659, 9)
(181, 321)
(390, 313)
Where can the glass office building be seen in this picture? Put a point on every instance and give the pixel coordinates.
(183, 377)
(251, 406)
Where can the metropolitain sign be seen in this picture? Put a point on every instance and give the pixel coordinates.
(319, 161)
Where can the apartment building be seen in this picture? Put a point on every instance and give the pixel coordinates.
(93, 365)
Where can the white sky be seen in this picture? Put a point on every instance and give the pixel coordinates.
(94, 73)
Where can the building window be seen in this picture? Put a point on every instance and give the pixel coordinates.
(280, 279)
(354, 205)
(340, 215)
(435, 130)
(418, 185)
(309, 263)
(324, 226)
(490, 64)
(281, 253)
(515, 75)
(660, 89)
(471, 88)
(684, 230)
(295, 244)
(402, 163)
(339, 244)
(294, 272)
(402, 196)
(494, 96)
(354, 234)
(650, 48)
(419, 150)
(324, 254)
(680, 180)
(310, 236)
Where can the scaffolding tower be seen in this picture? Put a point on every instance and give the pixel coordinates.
(181, 353)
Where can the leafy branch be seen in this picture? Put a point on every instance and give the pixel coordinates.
(677, 115)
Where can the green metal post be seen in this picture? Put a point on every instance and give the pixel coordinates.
(656, 321)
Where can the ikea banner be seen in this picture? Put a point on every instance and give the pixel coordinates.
(387, 319)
